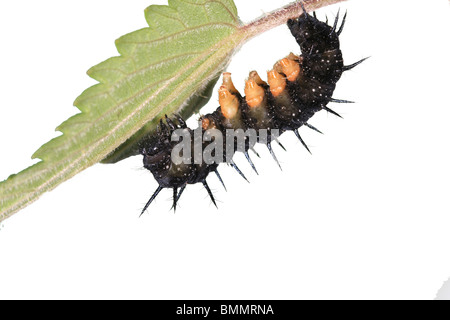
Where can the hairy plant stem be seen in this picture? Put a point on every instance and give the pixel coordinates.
(281, 16)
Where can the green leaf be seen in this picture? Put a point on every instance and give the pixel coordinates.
(187, 45)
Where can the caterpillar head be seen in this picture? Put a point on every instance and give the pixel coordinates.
(313, 35)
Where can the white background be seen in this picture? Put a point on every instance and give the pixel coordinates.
(367, 216)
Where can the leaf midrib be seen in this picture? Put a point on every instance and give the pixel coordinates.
(175, 34)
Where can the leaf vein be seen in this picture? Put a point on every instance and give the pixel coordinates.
(175, 34)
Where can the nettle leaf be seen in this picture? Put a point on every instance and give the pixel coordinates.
(186, 46)
(169, 67)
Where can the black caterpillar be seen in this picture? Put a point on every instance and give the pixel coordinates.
(298, 87)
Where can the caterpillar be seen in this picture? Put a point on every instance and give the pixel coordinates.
(297, 87)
